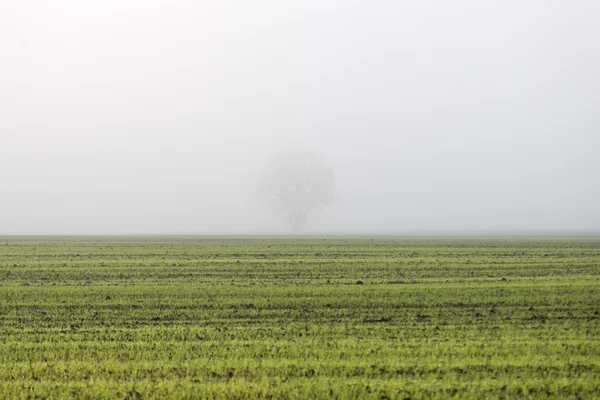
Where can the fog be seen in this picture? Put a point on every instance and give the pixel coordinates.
(156, 116)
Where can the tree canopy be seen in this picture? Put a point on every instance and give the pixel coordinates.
(296, 184)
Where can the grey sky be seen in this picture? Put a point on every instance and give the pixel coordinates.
(157, 116)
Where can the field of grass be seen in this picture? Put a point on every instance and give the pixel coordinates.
(217, 317)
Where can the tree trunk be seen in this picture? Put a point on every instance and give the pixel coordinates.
(297, 219)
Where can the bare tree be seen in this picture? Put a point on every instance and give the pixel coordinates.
(296, 184)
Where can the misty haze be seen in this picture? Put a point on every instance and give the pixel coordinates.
(159, 117)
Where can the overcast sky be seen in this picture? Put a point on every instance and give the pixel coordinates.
(156, 116)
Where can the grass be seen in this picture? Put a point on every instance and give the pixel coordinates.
(246, 317)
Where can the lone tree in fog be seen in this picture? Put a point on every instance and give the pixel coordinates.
(296, 184)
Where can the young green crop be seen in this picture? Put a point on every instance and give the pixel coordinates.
(268, 317)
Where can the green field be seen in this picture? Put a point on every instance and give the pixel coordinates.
(204, 317)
